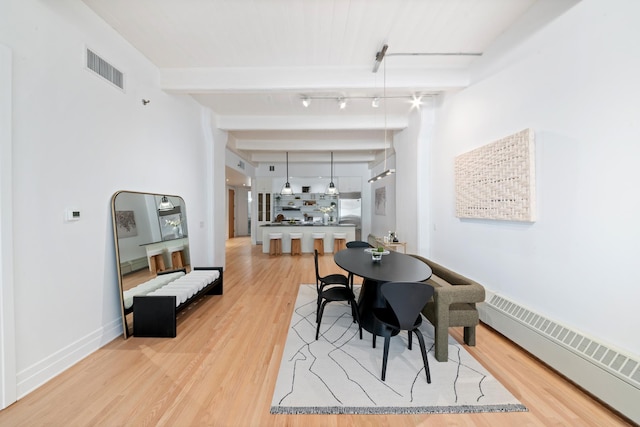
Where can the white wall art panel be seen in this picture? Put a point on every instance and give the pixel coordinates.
(497, 181)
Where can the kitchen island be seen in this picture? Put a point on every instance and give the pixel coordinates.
(307, 230)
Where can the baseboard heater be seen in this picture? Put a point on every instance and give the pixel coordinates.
(605, 372)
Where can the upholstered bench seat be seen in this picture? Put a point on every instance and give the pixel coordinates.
(149, 286)
(188, 285)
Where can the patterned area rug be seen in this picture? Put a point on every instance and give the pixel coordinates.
(340, 374)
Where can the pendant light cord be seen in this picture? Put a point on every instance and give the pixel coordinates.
(384, 93)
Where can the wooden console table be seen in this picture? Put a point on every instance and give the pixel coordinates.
(393, 246)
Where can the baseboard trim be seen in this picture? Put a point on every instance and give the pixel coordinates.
(39, 373)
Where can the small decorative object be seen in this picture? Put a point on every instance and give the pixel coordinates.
(376, 253)
(176, 224)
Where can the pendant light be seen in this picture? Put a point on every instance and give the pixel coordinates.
(331, 189)
(287, 190)
(165, 204)
(379, 58)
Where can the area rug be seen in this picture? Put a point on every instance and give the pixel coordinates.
(340, 374)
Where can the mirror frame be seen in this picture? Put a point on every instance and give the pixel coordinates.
(161, 234)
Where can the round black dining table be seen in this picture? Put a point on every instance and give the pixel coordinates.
(394, 267)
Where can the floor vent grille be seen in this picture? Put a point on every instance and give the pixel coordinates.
(104, 69)
(621, 365)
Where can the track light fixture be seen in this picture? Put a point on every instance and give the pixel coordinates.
(382, 175)
(415, 99)
(379, 58)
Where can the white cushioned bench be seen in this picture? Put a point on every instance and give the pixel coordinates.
(149, 286)
(154, 313)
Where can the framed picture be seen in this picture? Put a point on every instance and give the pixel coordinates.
(126, 224)
(381, 201)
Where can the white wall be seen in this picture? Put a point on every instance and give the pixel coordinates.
(76, 140)
(575, 83)
(7, 318)
(412, 180)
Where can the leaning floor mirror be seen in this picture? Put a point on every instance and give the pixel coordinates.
(150, 233)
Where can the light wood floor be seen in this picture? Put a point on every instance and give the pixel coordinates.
(222, 367)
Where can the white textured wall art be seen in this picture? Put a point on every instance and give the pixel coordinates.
(497, 181)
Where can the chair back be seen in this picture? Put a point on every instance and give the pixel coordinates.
(406, 299)
(358, 244)
(315, 259)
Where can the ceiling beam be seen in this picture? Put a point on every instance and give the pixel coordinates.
(308, 80)
(237, 123)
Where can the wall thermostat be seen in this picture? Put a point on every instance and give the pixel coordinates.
(72, 215)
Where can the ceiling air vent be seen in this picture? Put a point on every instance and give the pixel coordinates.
(104, 69)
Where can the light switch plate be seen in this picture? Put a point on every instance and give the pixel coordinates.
(72, 214)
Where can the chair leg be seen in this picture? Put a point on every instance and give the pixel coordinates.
(319, 316)
(424, 354)
(410, 339)
(385, 356)
(374, 340)
(356, 315)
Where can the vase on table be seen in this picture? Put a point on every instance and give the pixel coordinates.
(325, 218)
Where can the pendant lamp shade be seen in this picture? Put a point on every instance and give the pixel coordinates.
(165, 204)
(287, 190)
(332, 190)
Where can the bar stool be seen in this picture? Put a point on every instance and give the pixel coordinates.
(156, 260)
(296, 246)
(318, 242)
(339, 242)
(275, 243)
(177, 256)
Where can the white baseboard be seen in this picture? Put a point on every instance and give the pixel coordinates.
(39, 373)
(607, 373)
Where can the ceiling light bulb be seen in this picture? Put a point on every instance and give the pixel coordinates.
(343, 103)
(306, 101)
(376, 102)
(416, 101)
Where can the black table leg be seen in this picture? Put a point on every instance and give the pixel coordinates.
(370, 297)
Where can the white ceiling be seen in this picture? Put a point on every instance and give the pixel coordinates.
(251, 62)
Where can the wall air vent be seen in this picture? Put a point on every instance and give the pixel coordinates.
(104, 69)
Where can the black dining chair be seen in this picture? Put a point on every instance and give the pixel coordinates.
(356, 244)
(333, 287)
(405, 300)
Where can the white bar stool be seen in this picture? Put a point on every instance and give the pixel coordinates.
(155, 257)
(318, 242)
(275, 243)
(339, 242)
(296, 246)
